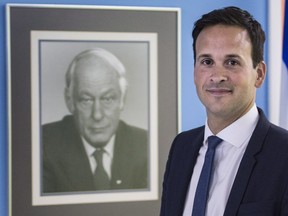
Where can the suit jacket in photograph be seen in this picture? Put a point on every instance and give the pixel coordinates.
(66, 166)
(260, 187)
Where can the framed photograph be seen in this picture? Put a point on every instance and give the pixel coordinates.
(52, 52)
(87, 79)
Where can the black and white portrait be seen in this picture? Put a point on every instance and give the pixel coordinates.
(95, 116)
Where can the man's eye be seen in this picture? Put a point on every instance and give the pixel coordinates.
(232, 62)
(86, 101)
(108, 100)
(207, 62)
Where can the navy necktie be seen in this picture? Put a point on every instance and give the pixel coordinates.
(101, 179)
(202, 189)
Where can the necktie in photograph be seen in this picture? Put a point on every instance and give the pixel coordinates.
(101, 179)
(202, 190)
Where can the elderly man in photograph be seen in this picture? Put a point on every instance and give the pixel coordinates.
(92, 149)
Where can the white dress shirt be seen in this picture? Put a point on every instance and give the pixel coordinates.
(227, 159)
(107, 155)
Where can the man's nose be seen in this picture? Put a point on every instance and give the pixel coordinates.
(97, 110)
(218, 75)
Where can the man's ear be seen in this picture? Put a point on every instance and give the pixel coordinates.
(69, 100)
(123, 100)
(261, 72)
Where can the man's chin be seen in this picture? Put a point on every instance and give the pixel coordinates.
(98, 141)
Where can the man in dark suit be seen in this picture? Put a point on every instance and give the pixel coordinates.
(249, 174)
(93, 149)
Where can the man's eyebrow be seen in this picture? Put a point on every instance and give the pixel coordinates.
(203, 56)
(210, 56)
(233, 56)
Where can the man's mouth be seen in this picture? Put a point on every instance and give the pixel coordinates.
(98, 129)
(219, 91)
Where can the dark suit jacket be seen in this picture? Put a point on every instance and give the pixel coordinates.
(66, 167)
(261, 184)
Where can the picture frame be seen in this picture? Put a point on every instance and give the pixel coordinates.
(76, 28)
(49, 49)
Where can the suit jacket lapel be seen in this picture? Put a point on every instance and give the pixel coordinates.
(78, 170)
(75, 161)
(247, 165)
(188, 163)
(181, 169)
(123, 154)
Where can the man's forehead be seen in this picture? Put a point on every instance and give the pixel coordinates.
(211, 32)
(227, 40)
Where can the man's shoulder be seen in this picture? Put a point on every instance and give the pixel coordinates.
(59, 136)
(192, 132)
(131, 130)
(131, 136)
(66, 120)
(279, 133)
(58, 128)
(190, 137)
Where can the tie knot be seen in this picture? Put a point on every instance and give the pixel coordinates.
(213, 142)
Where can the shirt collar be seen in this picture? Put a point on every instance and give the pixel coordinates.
(237, 132)
(89, 149)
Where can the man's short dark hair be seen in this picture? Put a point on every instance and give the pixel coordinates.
(233, 16)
